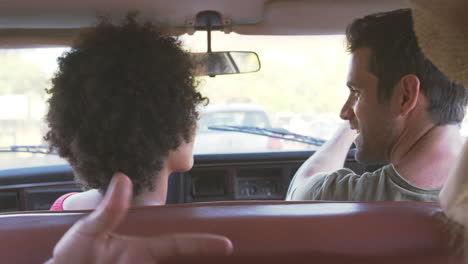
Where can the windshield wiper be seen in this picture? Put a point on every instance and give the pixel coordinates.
(271, 132)
(44, 149)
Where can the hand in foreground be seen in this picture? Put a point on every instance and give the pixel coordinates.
(90, 240)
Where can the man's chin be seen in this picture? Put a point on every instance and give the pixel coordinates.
(358, 156)
(362, 155)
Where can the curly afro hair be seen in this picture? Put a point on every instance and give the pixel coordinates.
(123, 97)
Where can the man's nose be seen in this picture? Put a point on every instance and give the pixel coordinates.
(347, 111)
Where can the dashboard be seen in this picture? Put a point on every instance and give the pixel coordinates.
(220, 177)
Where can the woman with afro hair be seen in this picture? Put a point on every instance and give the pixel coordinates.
(124, 100)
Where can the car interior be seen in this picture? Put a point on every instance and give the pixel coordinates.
(239, 194)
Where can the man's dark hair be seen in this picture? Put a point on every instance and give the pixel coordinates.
(395, 53)
(124, 96)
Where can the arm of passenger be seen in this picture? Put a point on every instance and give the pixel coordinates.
(330, 157)
(454, 194)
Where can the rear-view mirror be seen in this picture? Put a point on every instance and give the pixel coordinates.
(226, 62)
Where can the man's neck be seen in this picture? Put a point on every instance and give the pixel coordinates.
(425, 156)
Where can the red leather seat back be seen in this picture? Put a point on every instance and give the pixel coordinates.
(264, 231)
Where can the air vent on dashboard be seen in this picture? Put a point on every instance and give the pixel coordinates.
(8, 201)
(209, 185)
(264, 183)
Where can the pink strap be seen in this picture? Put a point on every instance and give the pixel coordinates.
(58, 204)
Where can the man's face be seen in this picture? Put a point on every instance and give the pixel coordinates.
(371, 118)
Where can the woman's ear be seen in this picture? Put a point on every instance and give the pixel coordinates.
(406, 94)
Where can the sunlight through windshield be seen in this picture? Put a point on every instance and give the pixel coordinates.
(300, 87)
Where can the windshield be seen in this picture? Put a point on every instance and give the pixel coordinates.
(233, 118)
(300, 88)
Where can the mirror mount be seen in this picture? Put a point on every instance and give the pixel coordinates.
(208, 36)
(209, 21)
(216, 21)
(224, 62)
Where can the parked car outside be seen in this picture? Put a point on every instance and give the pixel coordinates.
(210, 141)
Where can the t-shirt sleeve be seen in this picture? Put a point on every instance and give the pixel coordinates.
(335, 186)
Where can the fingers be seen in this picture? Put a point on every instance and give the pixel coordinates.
(190, 244)
(111, 210)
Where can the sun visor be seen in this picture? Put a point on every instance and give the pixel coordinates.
(31, 23)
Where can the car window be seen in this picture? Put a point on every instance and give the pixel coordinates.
(24, 76)
(300, 88)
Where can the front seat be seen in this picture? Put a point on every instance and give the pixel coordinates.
(270, 232)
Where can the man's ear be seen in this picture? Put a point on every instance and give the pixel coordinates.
(406, 94)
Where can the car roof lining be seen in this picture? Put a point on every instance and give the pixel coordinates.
(31, 23)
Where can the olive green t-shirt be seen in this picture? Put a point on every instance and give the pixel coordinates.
(384, 184)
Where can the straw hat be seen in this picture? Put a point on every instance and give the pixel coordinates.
(441, 27)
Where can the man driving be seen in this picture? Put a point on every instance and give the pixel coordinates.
(401, 111)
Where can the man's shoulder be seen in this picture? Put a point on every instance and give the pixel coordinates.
(345, 175)
(323, 185)
(340, 185)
